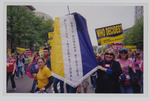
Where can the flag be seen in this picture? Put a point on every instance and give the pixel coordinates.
(72, 55)
(28, 53)
(50, 38)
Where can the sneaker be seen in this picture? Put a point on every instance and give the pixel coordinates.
(14, 89)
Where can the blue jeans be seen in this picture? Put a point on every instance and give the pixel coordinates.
(141, 82)
(127, 89)
(34, 84)
(25, 67)
(138, 74)
(19, 69)
(93, 81)
(70, 89)
(61, 85)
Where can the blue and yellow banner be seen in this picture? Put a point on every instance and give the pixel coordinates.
(110, 34)
(72, 55)
(9, 50)
(50, 38)
(131, 47)
(20, 50)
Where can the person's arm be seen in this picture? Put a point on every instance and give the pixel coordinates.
(15, 66)
(101, 68)
(48, 63)
(50, 82)
(48, 85)
(116, 71)
(108, 71)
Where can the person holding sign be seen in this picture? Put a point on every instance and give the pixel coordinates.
(108, 73)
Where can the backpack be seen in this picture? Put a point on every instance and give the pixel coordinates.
(28, 71)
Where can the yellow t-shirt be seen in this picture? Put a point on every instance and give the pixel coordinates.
(43, 76)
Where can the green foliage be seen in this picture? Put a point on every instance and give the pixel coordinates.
(25, 28)
(135, 35)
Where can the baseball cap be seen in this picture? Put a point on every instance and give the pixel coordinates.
(123, 49)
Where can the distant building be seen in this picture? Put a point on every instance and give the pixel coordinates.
(41, 14)
(30, 8)
(139, 11)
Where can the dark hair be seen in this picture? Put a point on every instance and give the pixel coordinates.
(40, 58)
(37, 53)
(46, 49)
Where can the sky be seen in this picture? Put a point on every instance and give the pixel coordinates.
(96, 15)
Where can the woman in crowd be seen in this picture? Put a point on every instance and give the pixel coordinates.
(26, 63)
(126, 64)
(19, 65)
(33, 71)
(138, 67)
(108, 74)
(11, 67)
(44, 77)
(35, 56)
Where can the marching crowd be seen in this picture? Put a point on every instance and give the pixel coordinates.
(120, 72)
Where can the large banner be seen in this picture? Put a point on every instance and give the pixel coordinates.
(72, 56)
(110, 34)
(131, 48)
(50, 38)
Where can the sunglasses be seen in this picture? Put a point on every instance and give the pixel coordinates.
(109, 54)
(125, 52)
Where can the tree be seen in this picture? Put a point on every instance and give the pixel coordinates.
(25, 29)
(135, 35)
(15, 26)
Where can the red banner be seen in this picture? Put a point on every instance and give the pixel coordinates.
(116, 46)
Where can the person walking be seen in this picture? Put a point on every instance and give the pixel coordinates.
(46, 57)
(138, 68)
(108, 74)
(19, 65)
(44, 77)
(127, 66)
(26, 63)
(34, 70)
(11, 67)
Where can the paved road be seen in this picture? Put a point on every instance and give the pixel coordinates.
(23, 85)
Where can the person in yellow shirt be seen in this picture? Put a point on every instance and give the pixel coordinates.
(44, 77)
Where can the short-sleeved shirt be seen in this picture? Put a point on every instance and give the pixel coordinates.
(11, 65)
(43, 76)
(125, 70)
(137, 62)
(125, 65)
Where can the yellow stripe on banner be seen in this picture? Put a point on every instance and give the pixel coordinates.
(57, 64)
(109, 40)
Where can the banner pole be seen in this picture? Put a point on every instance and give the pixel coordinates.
(68, 9)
